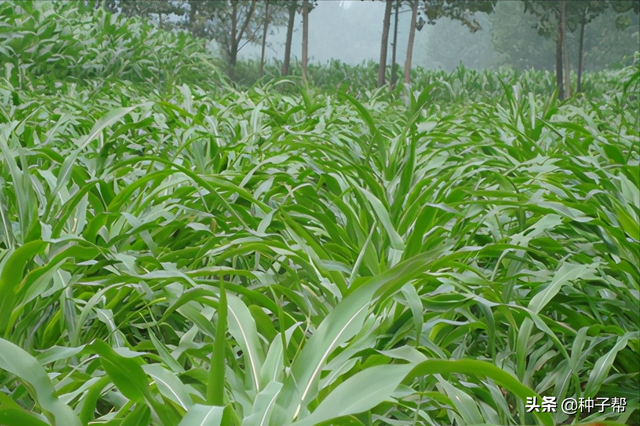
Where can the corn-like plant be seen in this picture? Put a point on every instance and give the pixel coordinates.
(183, 256)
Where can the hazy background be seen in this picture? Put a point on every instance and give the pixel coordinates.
(350, 31)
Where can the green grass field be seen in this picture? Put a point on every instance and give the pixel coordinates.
(174, 251)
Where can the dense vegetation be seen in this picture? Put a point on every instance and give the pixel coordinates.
(174, 251)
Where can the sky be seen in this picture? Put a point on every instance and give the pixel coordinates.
(346, 4)
(349, 31)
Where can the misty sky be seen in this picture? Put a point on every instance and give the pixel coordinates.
(350, 32)
(346, 30)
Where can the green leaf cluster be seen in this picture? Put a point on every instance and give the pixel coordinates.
(178, 257)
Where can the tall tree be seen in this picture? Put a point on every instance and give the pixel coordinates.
(272, 14)
(562, 31)
(603, 35)
(306, 7)
(547, 13)
(412, 34)
(395, 43)
(570, 15)
(587, 12)
(233, 24)
(384, 45)
(459, 10)
(292, 6)
(264, 36)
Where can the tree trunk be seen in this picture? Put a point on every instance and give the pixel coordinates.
(193, 9)
(412, 34)
(565, 46)
(264, 36)
(559, 41)
(160, 19)
(305, 39)
(395, 43)
(236, 36)
(233, 58)
(384, 45)
(581, 50)
(233, 47)
(287, 46)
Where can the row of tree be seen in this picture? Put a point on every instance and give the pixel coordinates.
(554, 20)
(234, 23)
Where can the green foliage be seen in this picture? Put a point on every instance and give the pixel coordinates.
(514, 37)
(462, 11)
(460, 86)
(54, 42)
(176, 256)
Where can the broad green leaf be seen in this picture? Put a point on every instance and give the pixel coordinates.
(15, 361)
(464, 404)
(11, 278)
(15, 416)
(203, 415)
(603, 365)
(361, 392)
(479, 369)
(216, 376)
(126, 373)
(243, 329)
(141, 415)
(567, 273)
(263, 405)
(383, 216)
(169, 385)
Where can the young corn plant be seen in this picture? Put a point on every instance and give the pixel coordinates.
(179, 257)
